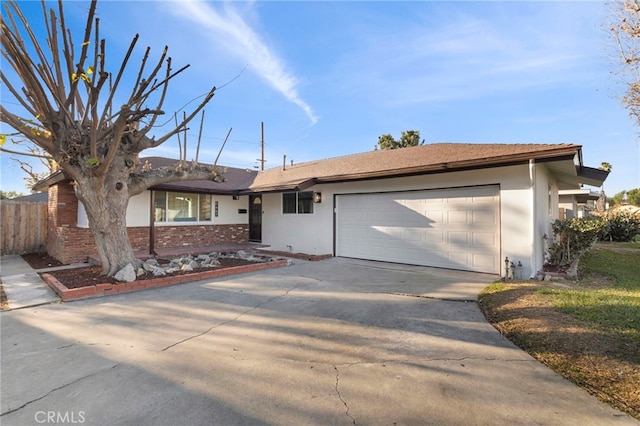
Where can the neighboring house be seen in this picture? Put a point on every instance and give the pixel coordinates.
(577, 203)
(38, 197)
(458, 206)
(624, 208)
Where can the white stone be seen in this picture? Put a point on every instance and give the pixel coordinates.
(127, 274)
(159, 272)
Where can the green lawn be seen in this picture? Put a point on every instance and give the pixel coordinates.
(615, 307)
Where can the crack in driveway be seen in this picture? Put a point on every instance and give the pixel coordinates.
(335, 367)
(58, 388)
(424, 296)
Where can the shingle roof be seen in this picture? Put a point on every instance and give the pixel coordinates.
(423, 159)
(235, 179)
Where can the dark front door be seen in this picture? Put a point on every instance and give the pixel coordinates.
(255, 218)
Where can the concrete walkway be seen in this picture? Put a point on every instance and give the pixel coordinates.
(22, 285)
(337, 342)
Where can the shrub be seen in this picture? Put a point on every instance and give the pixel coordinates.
(621, 226)
(572, 238)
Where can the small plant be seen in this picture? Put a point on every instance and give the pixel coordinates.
(572, 238)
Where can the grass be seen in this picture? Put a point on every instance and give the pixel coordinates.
(617, 311)
(588, 331)
(622, 266)
(615, 308)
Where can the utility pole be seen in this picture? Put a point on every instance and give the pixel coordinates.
(262, 160)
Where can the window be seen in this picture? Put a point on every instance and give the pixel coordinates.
(297, 202)
(182, 207)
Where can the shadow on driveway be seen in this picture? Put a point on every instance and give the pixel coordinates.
(332, 342)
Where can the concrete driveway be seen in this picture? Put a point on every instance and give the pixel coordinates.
(337, 342)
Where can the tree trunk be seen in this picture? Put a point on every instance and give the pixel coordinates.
(572, 271)
(106, 205)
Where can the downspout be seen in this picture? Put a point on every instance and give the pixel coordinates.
(534, 242)
(152, 224)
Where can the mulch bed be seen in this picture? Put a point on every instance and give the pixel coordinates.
(41, 260)
(92, 275)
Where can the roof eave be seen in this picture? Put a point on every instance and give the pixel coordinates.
(55, 177)
(565, 153)
(591, 176)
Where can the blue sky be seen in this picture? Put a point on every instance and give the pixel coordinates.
(327, 78)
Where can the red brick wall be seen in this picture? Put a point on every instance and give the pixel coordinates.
(68, 243)
(63, 215)
(74, 244)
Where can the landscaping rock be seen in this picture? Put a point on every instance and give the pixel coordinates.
(149, 267)
(159, 272)
(126, 274)
(211, 263)
(186, 268)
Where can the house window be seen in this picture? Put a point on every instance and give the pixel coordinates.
(182, 207)
(297, 202)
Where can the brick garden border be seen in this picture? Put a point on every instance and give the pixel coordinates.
(99, 290)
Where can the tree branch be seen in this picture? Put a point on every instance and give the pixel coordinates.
(178, 172)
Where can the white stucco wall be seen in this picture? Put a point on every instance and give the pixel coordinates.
(138, 212)
(546, 212)
(313, 233)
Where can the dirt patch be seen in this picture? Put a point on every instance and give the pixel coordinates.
(4, 302)
(41, 260)
(91, 275)
(598, 360)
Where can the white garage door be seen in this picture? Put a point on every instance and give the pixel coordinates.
(449, 228)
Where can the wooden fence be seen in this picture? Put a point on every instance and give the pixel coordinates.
(23, 227)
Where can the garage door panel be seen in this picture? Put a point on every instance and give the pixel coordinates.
(456, 228)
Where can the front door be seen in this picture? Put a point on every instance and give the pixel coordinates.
(255, 218)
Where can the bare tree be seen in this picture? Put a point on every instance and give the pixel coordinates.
(625, 31)
(33, 176)
(66, 97)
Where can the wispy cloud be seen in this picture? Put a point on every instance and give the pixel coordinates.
(226, 26)
(465, 56)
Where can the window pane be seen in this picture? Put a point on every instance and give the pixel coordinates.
(205, 207)
(182, 207)
(305, 202)
(160, 205)
(289, 202)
